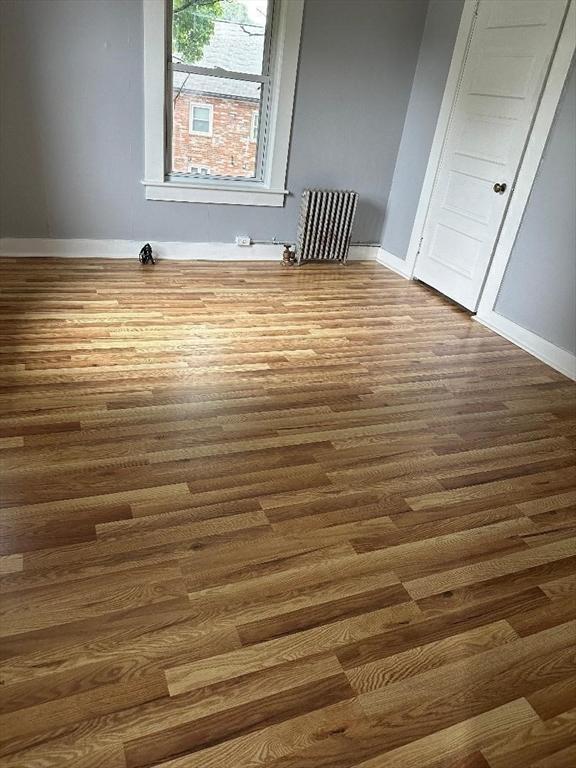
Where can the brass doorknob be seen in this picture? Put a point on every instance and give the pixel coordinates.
(500, 188)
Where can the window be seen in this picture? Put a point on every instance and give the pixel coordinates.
(219, 91)
(200, 119)
(219, 51)
(199, 170)
(254, 126)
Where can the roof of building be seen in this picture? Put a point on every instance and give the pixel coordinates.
(233, 46)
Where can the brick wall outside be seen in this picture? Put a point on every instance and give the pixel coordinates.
(229, 151)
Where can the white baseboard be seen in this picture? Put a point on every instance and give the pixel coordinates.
(363, 253)
(555, 357)
(397, 265)
(548, 353)
(181, 251)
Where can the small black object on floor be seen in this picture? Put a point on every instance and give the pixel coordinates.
(146, 255)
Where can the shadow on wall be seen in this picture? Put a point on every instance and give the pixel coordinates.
(368, 215)
(440, 32)
(22, 155)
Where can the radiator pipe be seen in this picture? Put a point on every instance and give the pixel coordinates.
(277, 241)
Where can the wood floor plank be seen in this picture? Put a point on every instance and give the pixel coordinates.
(488, 569)
(467, 735)
(48, 606)
(11, 563)
(297, 645)
(378, 674)
(257, 517)
(533, 742)
(554, 699)
(272, 742)
(432, 625)
(264, 699)
(435, 699)
(67, 710)
(564, 758)
(366, 746)
(84, 756)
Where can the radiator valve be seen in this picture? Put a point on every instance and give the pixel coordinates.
(288, 257)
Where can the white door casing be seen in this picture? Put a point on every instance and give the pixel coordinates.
(510, 50)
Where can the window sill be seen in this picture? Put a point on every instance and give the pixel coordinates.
(254, 194)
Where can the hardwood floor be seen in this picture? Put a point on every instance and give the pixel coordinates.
(255, 516)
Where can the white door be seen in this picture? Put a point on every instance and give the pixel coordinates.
(510, 51)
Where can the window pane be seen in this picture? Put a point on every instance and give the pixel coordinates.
(202, 113)
(200, 126)
(220, 33)
(229, 148)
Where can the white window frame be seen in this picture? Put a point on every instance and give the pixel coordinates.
(254, 120)
(198, 105)
(270, 189)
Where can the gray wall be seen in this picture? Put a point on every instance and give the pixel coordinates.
(438, 41)
(539, 287)
(72, 112)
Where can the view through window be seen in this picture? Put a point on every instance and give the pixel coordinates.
(220, 81)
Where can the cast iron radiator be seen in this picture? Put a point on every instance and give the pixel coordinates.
(325, 224)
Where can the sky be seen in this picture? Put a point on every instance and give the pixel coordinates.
(256, 9)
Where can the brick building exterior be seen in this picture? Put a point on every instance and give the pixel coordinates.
(215, 119)
(229, 149)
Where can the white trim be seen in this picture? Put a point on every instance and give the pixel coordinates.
(544, 350)
(284, 70)
(459, 55)
(227, 194)
(154, 85)
(231, 74)
(192, 105)
(254, 120)
(362, 253)
(284, 67)
(558, 358)
(181, 251)
(531, 162)
(549, 353)
(543, 116)
(392, 262)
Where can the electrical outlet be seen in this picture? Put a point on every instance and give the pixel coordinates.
(243, 240)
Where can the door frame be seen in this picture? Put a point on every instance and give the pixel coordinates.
(533, 150)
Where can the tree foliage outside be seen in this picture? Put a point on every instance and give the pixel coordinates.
(193, 24)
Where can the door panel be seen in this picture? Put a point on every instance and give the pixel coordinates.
(508, 59)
